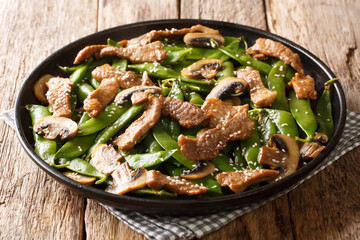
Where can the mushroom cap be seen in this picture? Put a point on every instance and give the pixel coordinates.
(126, 94)
(202, 39)
(56, 126)
(283, 152)
(201, 170)
(207, 68)
(40, 88)
(105, 158)
(226, 87)
(126, 180)
(86, 180)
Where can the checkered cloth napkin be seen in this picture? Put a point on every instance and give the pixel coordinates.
(167, 227)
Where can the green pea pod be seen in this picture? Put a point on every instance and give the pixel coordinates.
(81, 166)
(125, 118)
(105, 118)
(324, 111)
(171, 126)
(175, 57)
(93, 82)
(148, 191)
(196, 87)
(85, 116)
(227, 71)
(239, 159)
(76, 146)
(168, 143)
(194, 98)
(79, 73)
(151, 145)
(266, 128)
(120, 63)
(283, 120)
(225, 164)
(70, 69)
(176, 91)
(114, 43)
(275, 82)
(251, 148)
(147, 160)
(83, 91)
(45, 148)
(155, 70)
(303, 114)
(182, 65)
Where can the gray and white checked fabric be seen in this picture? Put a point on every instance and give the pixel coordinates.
(166, 227)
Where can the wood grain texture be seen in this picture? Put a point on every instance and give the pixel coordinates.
(327, 205)
(33, 205)
(249, 13)
(115, 13)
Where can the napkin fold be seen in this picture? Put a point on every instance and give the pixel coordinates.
(184, 227)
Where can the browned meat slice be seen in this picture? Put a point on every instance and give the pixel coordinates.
(259, 94)
(152, 52)
(127, 79)
(87, 52)
(187, 114)
(272, 48)
(304, 86)
(220, 111)
(169, 34)
(310, 150)
(138, 128)
(208, 145)
(105, 158)
(58, 96)
(146, 81)
(156, 181)
(99, 98)
(238, 181)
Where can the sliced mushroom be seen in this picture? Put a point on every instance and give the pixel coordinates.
(310, 150)
(126, 180)
(207, 68)
(105, 158)
(201, 39)
(201, 170)
(233, 101)
(283, 152)
(40, 88)
(126, 94)
(321, 138)
(146, 81)
(226, 87)
(86, 180)
(56, 126)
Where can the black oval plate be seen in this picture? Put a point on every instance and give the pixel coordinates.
(65, 56)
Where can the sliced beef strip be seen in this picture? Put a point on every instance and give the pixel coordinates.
(304, 86)
(152, 52)
(156, 181)
(138, 128)
(187, 114)
(58, 96)
(272, 48)
(146, 81)
(87, 52)
(99, 98)
(105, 158)
(259, 94)
(310, 150)
(169, 34)
(208, 145)
(220, 111)
(127, 79)
(238, 181)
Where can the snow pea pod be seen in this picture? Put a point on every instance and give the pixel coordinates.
(275, 82)
(266, 128)
(44, 148)
(197, 87)
(225, 164)
(171, 126)
(227, 71)
(79, 73)
(147, 160)
(151, 145)
(155, 70)
(148, 191)
(175, 57)
(105, 118)
(81, 166)
(120, 63)
(239, 159)
(168, 143)
(176, 91)
(84, 118)
(303, 114)
(251, 148)
(83, 90)
(76, 146)
(125, 118)
(194, 98)
(324, 111)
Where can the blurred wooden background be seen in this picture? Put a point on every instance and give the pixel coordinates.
(34, 206)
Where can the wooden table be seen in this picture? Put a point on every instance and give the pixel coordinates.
(34, 206)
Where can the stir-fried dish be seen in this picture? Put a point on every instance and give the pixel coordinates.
(181, 112)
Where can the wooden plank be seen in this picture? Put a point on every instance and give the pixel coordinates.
(33, 205)
(112, 14)
(327, 205)
(115, 13)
